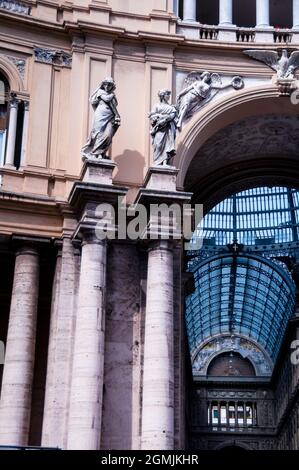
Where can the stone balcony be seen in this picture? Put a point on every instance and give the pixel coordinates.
(271, 35)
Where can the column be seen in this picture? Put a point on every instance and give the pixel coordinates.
(176, 7)
(296, 14)
(61, 339)
(236, 414)
(227, 414)
(15, 403)
(225, 12)
(244, 415)
(158, 376)
(189, 11)
(262, 14)
(12, 133)
(25, 133)
(85, 412)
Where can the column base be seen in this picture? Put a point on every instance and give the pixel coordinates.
(264, 34)
(227, 33)
(10, 166)
(189, 29)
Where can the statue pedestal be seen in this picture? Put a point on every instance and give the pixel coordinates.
(161, 178)
(96, 170)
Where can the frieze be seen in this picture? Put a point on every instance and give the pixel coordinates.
(15, 7)
(20, 64)
(231, 394)
(53, 57)
(241, 345)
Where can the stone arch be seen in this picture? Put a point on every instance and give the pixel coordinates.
(233, 444)
(12, 74)
(217, 115)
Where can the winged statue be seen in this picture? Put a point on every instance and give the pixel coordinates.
(284, 65)
(200, 88)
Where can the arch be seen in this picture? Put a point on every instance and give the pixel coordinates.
(12, 74)
(243, 365)
(267, 359)
(232, 445)
(217, 115)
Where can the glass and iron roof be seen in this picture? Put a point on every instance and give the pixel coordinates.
(236, 291)
(237, 294)
(254, 217)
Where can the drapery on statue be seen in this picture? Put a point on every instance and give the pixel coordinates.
(200, 89)
(106, 120)
(163, 120)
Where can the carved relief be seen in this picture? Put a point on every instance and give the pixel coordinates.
(285, 66)
(20, 64)
(246, 348)
(15, 6)
(199, 90)
(53, 57)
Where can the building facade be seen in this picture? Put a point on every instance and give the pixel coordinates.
(102, 348)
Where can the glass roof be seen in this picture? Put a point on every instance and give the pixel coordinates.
(254, 217)
(242, 294)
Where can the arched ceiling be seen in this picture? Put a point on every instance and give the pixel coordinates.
(253, 143)
(239, 294)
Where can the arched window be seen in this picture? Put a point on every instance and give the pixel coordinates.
(4, 93)
(231, 364)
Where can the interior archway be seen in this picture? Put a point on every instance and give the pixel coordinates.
(246, 150)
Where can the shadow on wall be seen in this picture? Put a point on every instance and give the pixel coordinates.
(130, 167)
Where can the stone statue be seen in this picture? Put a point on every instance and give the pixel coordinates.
(106, 120)
(163, 120)
(285, 66)
(200, 89)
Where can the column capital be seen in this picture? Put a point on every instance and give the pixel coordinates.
(26, 105)
(27, 250)
(89, 237)
(161, 245)
(13, 100)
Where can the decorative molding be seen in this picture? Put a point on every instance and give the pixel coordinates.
(20, 64)
(225, 343)
(53, 57)
(15, 6)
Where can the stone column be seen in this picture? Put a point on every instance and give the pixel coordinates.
(85, 413)
(25, 133)
(296, 14)
(12, 133)
(262, 14)
(158, 375)
(189, 14)
(225, 12)
(15, 403)
(59, 366)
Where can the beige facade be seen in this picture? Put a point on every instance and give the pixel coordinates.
(92, 384)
